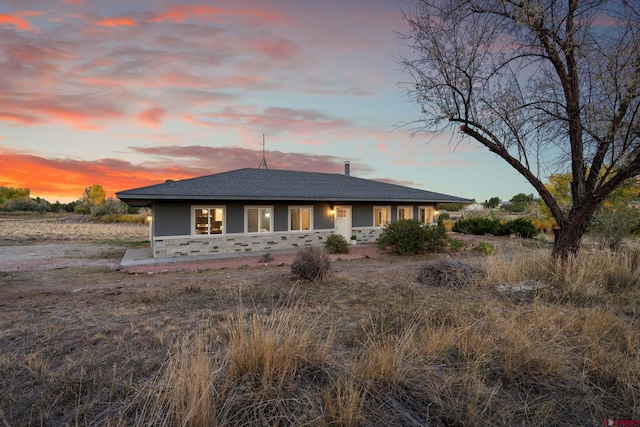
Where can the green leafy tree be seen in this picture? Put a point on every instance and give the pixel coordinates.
(542, 85)
(10, 193)
(492, 203)
(522, 198)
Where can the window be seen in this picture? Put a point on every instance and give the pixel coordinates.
(425, 214)
(258, 219)
(405, 212)
(381, 216)
(300, 218)
(208, 220)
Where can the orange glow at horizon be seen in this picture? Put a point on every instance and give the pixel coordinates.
(66, 180)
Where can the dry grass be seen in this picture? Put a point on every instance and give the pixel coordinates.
(368, 346)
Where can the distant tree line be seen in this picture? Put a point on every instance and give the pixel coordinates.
(93, 202)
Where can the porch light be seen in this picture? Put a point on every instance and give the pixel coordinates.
(436, 213)
(148, 218)
(332, 211)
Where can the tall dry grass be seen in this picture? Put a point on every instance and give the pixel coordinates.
(588, 278)
(407, 354)
(563, 358)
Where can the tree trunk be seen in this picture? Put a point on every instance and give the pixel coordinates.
(569, 236)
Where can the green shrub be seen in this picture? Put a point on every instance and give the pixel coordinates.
(410, 237)
(435, 237)
(481, 226)
(486, 248)
(110, 208)
(311, 264)
(443, 216)
(26, 204)
(451, 207)
(456, 245)
(336, 244)
(521, 227)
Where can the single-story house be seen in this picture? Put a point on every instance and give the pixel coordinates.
(257, 210)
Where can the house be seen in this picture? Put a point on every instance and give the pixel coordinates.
(256, 210)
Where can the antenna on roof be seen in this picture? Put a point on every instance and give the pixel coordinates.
(263, 163)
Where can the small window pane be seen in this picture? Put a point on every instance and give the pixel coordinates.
(265, 220)
(202, 221)
(295, 219)
(215, 227)
(306, 219)
(252, 221)
(381, 216)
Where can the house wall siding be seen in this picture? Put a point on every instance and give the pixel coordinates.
(171, 219)
(362, 215)
(173, 239)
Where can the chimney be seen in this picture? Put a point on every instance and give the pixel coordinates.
(346, 168)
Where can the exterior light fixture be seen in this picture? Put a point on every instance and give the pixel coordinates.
(332, 211)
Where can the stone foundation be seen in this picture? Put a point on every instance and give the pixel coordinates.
(366, 234)
(175, 247)
(179, 246)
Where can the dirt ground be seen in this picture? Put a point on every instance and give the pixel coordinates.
(58, 252)
(77, 334)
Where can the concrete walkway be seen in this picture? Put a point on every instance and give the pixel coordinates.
(144, 256)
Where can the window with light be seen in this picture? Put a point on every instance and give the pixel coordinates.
(405, 212)
(259, 219)
(300, 218)
(208, 220)
(381, 216)
(425, 214)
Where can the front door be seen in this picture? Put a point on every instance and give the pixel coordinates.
(343, 221)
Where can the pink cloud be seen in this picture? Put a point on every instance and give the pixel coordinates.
(117, 22)
(278, 49)
(85, 112)
(182, 13)
(152, 117)
(274, 120)
(18, 118)
(382, 148)
(16, 22)
(209, 160)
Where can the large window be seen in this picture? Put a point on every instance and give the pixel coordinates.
(300, 218)
(426, 214)
(405, 212)
(208, 220)
(381, 215)
(259, 219)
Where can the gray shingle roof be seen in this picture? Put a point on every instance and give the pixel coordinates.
(270, 184)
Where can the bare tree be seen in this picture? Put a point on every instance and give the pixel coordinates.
(548, 86)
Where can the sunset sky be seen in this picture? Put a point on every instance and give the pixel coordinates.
(130, 93)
